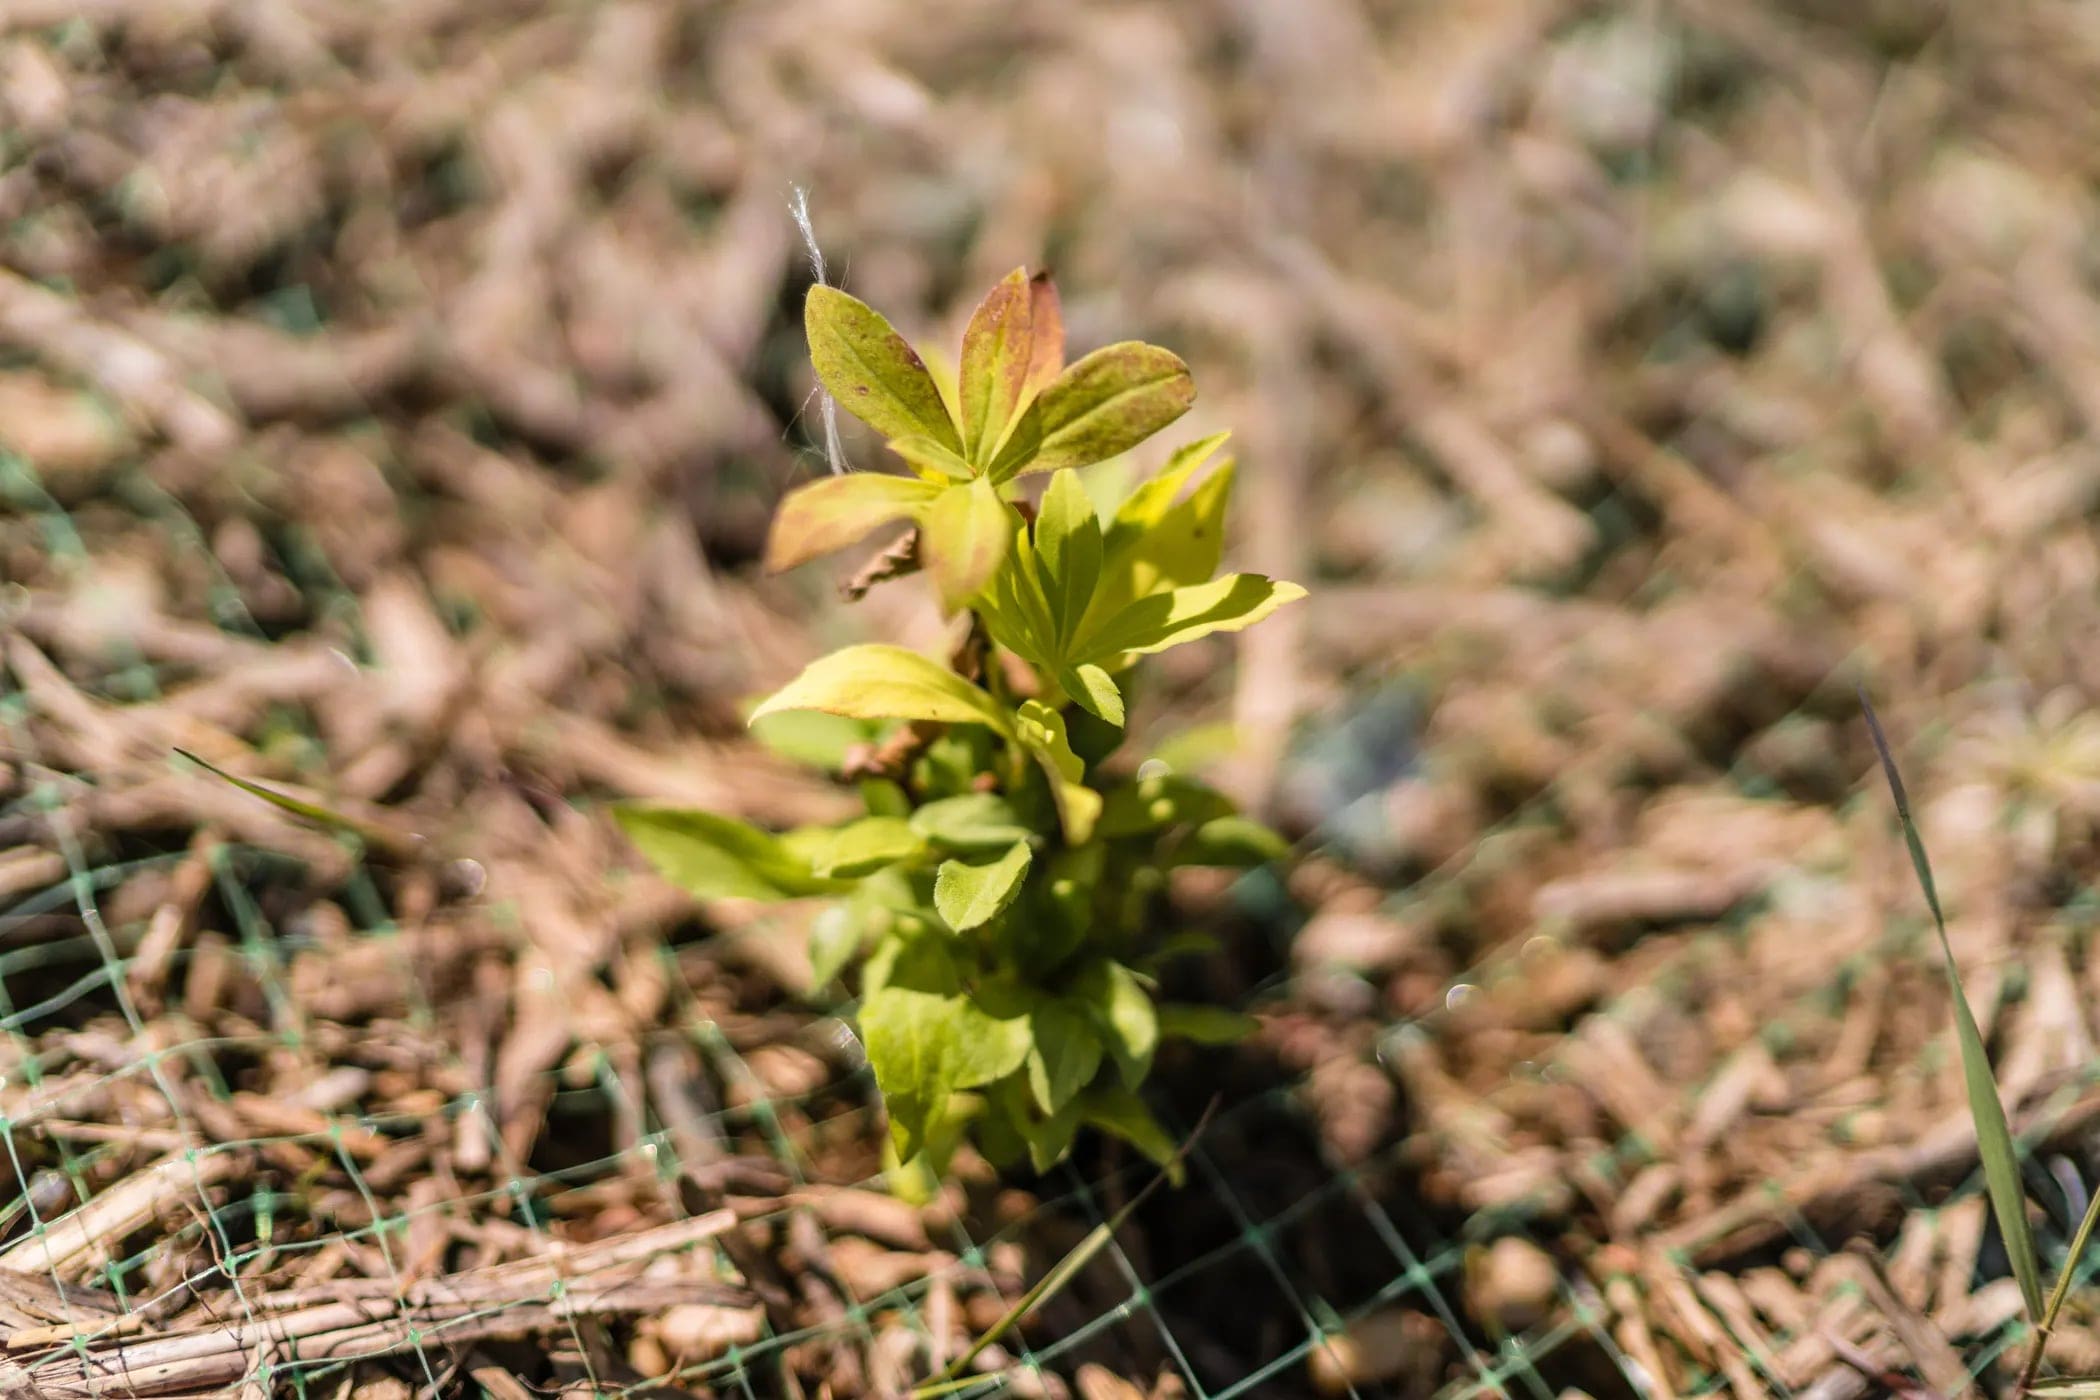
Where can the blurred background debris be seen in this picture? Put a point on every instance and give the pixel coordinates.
(392, 400)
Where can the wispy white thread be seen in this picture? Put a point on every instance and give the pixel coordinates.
(833, 453)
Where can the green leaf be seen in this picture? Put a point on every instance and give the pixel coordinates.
(1154, 544)
(1159, 801)
(1067, 551)
(1184, 614)
(714, 857)
(962, 539)
(833, 512)
(1119, 1111)
(871, 370)
(813, 737)
(930, 459)
(969, 895)
(1049, 1139)
(865, 846)
(1095, 690)
(1206, 1025)
(997, 351)
(1109, 402)
(1994, 1140)
(1149, 504)
(2067, 1387)
(973, 821)
(1235, 842)
(1041, 731)
(1124, 1012)
(1066, 1053)
(834, 937)
(926, 1041)
(1047, 322)
(875, 681)
(1187, 944)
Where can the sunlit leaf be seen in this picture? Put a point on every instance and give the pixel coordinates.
(1168, 619)
(1041, 730)
(927, 1039)
(997, 353)
(931, 460)
(970, 895)
(1107, 403)
(834, 512)
(871, 370)
(875, 681)
(973, 821)
(865, 846)
(716, 857)
(1094, 689)
(812, 737)
(964, 535)
(1124, 1012)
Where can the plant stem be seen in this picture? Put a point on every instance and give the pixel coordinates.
(2057, 1296)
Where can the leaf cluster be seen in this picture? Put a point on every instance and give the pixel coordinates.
(1001, 899)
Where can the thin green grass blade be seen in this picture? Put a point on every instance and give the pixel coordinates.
(1994, 1140)
(2068, 1387)
(2079, 1241)
(371, 833)
(952, 1379)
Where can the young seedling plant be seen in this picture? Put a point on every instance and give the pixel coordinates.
(1001, 900)
(1994, 1139)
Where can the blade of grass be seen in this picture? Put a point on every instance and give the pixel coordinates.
(1994, 1140)
(377, 837)
(951, 1378)
(2028, 1384)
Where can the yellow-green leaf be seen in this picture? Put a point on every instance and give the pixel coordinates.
(1094, 689)
(1041, 731)
(968, 896)
(833, 512)
(965, 534)
(931, 460)
(1109, 402)
(970, 821)
(871, 370)
(928, 1039)
(715, 857)
(1183, 614)
(997, 351)
(876, 681)
(865, 846)
(1067, 551)
(834, 937)
(1124, 1012)
(1066, 1053)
